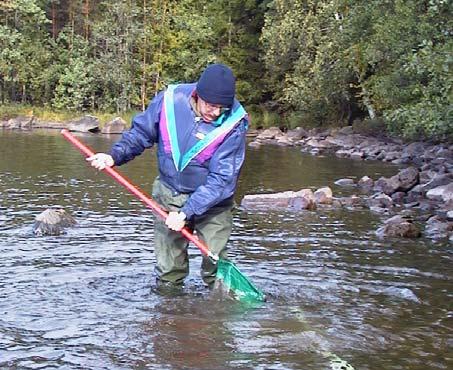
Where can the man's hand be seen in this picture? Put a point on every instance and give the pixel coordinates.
(175, 220)
(101, 161)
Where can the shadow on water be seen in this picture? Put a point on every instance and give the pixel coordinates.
(88, 300)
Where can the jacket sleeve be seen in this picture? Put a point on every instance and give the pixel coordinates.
(142, 134)
(224, 169)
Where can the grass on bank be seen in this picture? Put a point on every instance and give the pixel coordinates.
(260, 117)
(8, 111)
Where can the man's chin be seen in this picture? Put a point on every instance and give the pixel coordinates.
(209, 118)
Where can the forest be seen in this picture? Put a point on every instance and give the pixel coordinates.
(303, 62)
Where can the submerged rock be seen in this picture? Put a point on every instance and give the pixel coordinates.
(52, 221)
(399, 226)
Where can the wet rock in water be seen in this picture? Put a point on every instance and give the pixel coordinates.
(270, 133)
(302, 199)
(399, 226)
(52, 221)
(380, 200)
(403, 293)
(351, 202)
(296, 134)
(284, 141)
(387, 185)
(366, 183)
(255, 144)
(436, 228)
(85, 124)
(403, 181)
(20, 123)
(408, 178)
(115, 126)
(323, 195)
(344, 182)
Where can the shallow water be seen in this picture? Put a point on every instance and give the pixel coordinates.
(87, 299)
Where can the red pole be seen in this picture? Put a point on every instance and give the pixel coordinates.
(146, 199)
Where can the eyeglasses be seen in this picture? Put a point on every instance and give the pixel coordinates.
(214, 107)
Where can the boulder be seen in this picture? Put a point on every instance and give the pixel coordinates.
(296, 134)
(255, 144)
(115, 126)
(20, 123)
(366, 183)
(436, 228)
(323, 195)
(442, 193)
(344, 182)
(84, 124)
(387, 185)
(52, 221)
(380, 200)
(403, 181)
(438, 180)
(399, 226)
(303, 199)
(351, 202)
(270, 133)
(284, 141)
(408, 178)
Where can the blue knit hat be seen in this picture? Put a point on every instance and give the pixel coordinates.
(217, 85)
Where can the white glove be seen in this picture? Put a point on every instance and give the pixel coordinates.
(175, 220)
(101, 161)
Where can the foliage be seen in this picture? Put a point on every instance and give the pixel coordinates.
(341, 59)
(299, 62)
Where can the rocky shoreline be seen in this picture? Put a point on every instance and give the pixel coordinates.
(84, 124)
(418, 200)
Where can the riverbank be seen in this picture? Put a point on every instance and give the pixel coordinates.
(422, 192)
(418, 200)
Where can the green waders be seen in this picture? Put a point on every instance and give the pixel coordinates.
(170, 247)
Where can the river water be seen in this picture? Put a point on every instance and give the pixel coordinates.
(338, 297)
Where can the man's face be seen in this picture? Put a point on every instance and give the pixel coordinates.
(209, 112)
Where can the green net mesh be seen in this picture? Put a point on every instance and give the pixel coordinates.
(234, 281)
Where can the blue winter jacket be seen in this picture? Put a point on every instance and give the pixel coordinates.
(210, 179)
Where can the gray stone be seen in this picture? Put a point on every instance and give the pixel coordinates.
(399, 226)
(442, 193)
(408, 178)
(366, 183)
(20, 123)
(438, 180)
(323, 195)
(296, 134)
(380, 200)
(437, 228)
(85, 124)
(270, 133)
(344, 182)
(387, 185)
(52, 221)
(302, 199)
(115, 126)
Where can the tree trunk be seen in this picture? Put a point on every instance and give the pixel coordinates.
(143, 85)
(87, 15)
(54, 21)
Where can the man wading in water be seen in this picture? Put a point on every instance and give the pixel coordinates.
(200, 132)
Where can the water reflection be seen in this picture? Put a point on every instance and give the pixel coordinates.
(87, 299)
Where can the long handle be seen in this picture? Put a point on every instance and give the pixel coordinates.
(146, 199)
